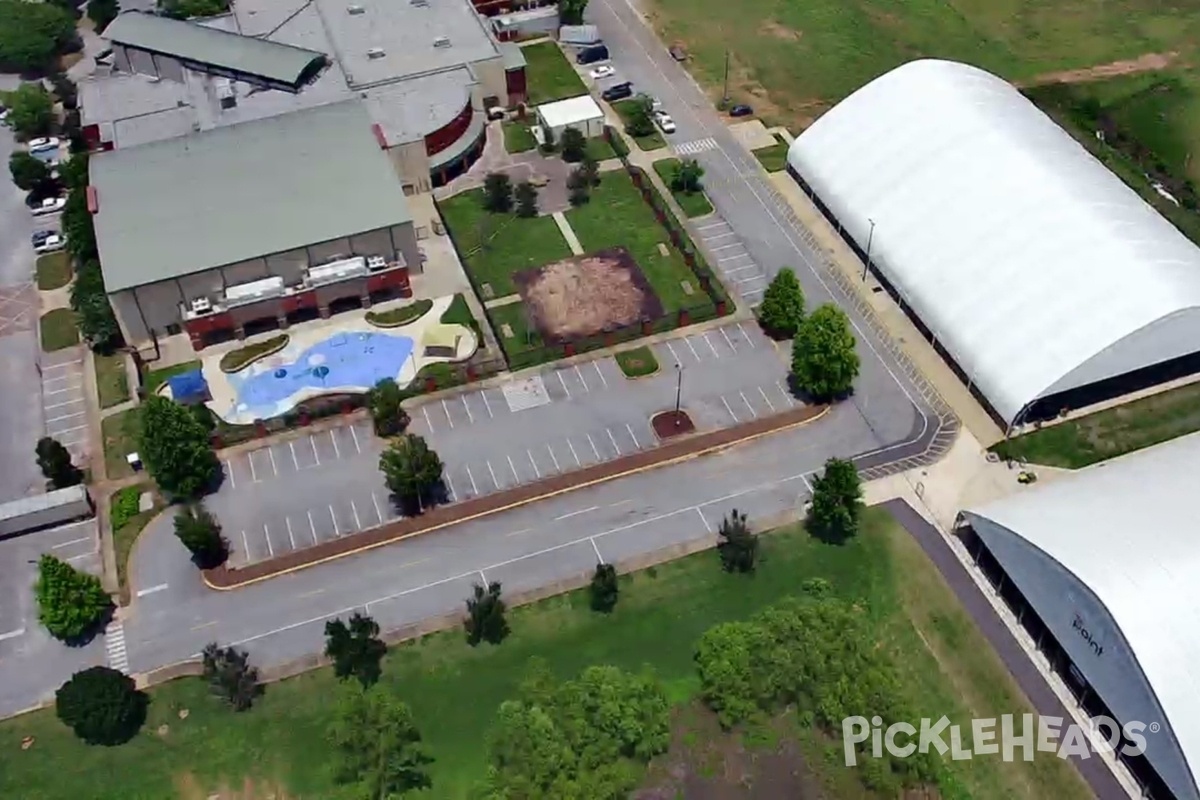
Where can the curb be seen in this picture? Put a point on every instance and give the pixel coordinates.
(785, 424)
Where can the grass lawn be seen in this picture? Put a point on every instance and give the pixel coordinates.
(58, 329)
(773, 158)
(694, 204)
(599, 148)
(518, 138)
(494, 246)
(112, 382)
(126, 534)
(523, 348)
(454, 690)
(53, 271)
(401, 315)
(157, 377)
(243, 357)
(548, 74)
(651, 141)
(617, 215)
(120, 433)
(1109, 433)
(638, 362)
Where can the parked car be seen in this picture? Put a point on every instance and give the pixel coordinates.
(50, 205)
(618, 92)
(590, 55)
(741, 110)
(43, 144)
(603, 72)
(655, 103)
(678, 53)
(51, 244)
(37, 237)
(665, 122)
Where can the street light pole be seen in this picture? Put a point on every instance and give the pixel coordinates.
(870, 238)
(678, 391)
(725, 91)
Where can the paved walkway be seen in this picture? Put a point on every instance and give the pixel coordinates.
(560, 220)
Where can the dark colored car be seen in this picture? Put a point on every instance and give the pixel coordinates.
(592, 54)
(677, 52)
(741, 110)
(618, 92)
(40, 236)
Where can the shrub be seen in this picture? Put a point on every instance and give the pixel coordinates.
(604, 590)
(70, 602)
(124, 506)
(102, 706)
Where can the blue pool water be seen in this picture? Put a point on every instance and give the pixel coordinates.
(345, 361)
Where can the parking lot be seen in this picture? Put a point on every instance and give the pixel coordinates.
(63, 400)
(728, 255)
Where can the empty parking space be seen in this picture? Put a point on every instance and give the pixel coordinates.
(63, 404)
(310, 451)
(727, 341)
(728, 254)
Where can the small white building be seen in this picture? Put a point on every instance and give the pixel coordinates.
(581, 113)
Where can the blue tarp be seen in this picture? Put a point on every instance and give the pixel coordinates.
(188, 387)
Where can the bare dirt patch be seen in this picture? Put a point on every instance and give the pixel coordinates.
(776, 31)
(585, 295)
(1149, 62)
(672, 423)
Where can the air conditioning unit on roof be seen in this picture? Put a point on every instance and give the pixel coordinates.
(201, 305)
(441, 41)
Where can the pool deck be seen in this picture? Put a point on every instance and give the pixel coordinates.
(224, 394)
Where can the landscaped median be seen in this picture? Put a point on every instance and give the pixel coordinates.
(637, 363)
(403, 315)
(239, 359)
(694, 204)
(53, 271)
(225, 577)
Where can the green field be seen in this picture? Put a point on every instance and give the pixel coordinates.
(695, 204)
(548, 74)
(53, 271)
(112, 381)
(120, 432)
(518, 138)
(279, 746)
(58, 329)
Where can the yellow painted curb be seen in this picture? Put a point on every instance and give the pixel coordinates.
(480, 515)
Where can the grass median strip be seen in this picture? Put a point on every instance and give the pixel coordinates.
(239, 359)
(119, 432)
(651, 141)
(112, 382)
(773, 158)
(694, 204)
(403, 315)
(53, 271)
(58, 330)
(637, 363)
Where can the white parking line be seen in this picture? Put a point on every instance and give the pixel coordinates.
(733, 257)
(747, 402)
(267, 536)
(253, 472)
(81, 556)
(428, 422)
(271, 455)
(61, 545)
(720, 224)
(586, 388)
(710, 346)
(151, 590)
(296, 461)
(493, 474)
(470, 416)
(613, 439)
(746, 335)
(336, 531)
(716, 236)
(66, 416)
(740, 281)
(446, 409)
(313, 443)
(564, 383)
(67, 403)
(603, 379)
(378, 511)
(486, 404)
(337, 451)
(727, 246)
(674, 355)
(291, 536)
(354, 436)
(513, 467)
(65, 431)
(593, 444)
(574, 455)
(787, 395)
(736, 270)
(728, 341)
(12, 634)
(470, 477)
(688, 341)
(312, 526)
(354, 511)
(704, 519)
(764, 397)
(596, 549)
(553, 458)
(246, 546)
(536, 471)
(70, 388)
(636, 443)
(730, 410)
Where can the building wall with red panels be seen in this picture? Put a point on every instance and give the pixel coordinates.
(449, 133)
(514, 82)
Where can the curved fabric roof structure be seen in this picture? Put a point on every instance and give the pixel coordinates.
(1036, 268)
(1125, 530)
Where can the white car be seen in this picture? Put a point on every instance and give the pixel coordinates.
(602, 72)
(51, 244)
(43, 144)
(665, 122)
(48, 206)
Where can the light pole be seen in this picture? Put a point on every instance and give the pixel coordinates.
(870, 238)
(678, 391)
(725, 91)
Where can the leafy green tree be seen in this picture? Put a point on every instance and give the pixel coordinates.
(412, 471)
(497, 193)
(379, 748)
(89, 300)
(837, 502)
(176, 448)
(200, 533)
(527, 197)
(30, 110)
(103, 706)
(103, 12)
(573, 145)
(589, 169)
(570, 12)
(824, 362)
(604, 590)
(485, 616)
(230, 675)
(736, 544)
(687, 175)
(782, 309)
(65, 90)
(577, 188)
(387, 412)
(71, 603)
(55, 462)
(356, 649)
(192, 9)
(27, 170)
(639, 120)
(32, 35)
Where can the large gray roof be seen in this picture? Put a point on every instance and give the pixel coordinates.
(238, 192)
(273, 61)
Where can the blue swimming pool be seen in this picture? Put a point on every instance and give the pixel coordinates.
(347, 361)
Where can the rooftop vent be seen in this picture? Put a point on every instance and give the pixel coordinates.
(355, 10)
(375, 52)
(421, 3)
(441, 41)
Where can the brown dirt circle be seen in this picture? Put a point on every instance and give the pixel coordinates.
(668, 424)
(1148, 62)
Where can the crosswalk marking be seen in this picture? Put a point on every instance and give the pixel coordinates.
(114, 644)
(698, 146)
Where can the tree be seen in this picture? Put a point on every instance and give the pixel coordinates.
(782, 308)
(71, 603)
(103, 12)
(577, 188)
(604, 589)
(836, 502)
(65, 90)
(356, 649)
(191, 9)
(573, 145)
(55, 462)
(27, 170)
(411, 471)
(485, 616)
(176, 448)
(824, 362)
(589, 169)
(230, 675)
(527, 197)
(497, 193)
(387, 414)
(570, 12)
(200, 533)
(687, 175)
(639, 120)
(736, 544)
(30, 110)
(32, 34)
(378, 744)
(103, 706)
(89, 301)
